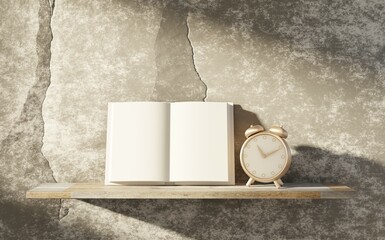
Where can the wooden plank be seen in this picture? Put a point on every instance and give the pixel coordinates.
(50, 190)
(266, 191)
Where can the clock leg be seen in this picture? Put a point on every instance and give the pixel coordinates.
(251, 181)
(280, 182)
(277, 185)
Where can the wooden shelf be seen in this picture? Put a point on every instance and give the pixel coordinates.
(101, 191)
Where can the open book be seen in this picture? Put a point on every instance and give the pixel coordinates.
(186, 143)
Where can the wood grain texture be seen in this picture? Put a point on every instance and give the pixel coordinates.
(268, 191)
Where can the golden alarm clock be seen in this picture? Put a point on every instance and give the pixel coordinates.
(265, 155)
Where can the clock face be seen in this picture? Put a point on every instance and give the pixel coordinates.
(264, 157)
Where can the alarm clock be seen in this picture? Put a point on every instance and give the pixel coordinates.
(265, 155)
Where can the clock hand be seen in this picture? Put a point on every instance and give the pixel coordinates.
(261, 152)
(270, 153)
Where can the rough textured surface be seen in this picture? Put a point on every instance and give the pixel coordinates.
(111, 62)
(22, 163)
(316, 67)
(17, 58)
(175, 59)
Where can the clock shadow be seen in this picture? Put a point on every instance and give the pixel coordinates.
(317, 165)
(208, 219)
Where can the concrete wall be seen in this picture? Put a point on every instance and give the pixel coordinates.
(317, 67)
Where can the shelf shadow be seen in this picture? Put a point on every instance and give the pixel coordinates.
(250, 219)
(38, 219)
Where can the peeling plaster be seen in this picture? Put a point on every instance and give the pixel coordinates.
(23, 164)
(286, 62)
(193, 56)
(47, 65)
(177, 77)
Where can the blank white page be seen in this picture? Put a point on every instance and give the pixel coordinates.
(138, 142)
(201, 143)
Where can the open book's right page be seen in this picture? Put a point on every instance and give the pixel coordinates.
(202, 143)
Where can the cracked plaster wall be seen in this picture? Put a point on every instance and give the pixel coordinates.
(316, 67)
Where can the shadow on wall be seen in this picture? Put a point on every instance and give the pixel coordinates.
(296, 24)
(361, 217)
(33, 219)
(242, 121)
(238, 219)
(267, 219)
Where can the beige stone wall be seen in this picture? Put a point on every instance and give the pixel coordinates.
(318, 68)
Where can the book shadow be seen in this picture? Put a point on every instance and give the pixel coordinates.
(242, 121)
(228, 219)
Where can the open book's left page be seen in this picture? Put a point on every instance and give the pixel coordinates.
(138, 138)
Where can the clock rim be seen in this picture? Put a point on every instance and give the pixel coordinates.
(283, 171)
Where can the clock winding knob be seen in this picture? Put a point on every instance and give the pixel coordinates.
(253, 129)
(279, 131)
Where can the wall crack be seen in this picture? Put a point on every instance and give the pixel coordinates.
(43, 72)
(193, 56)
